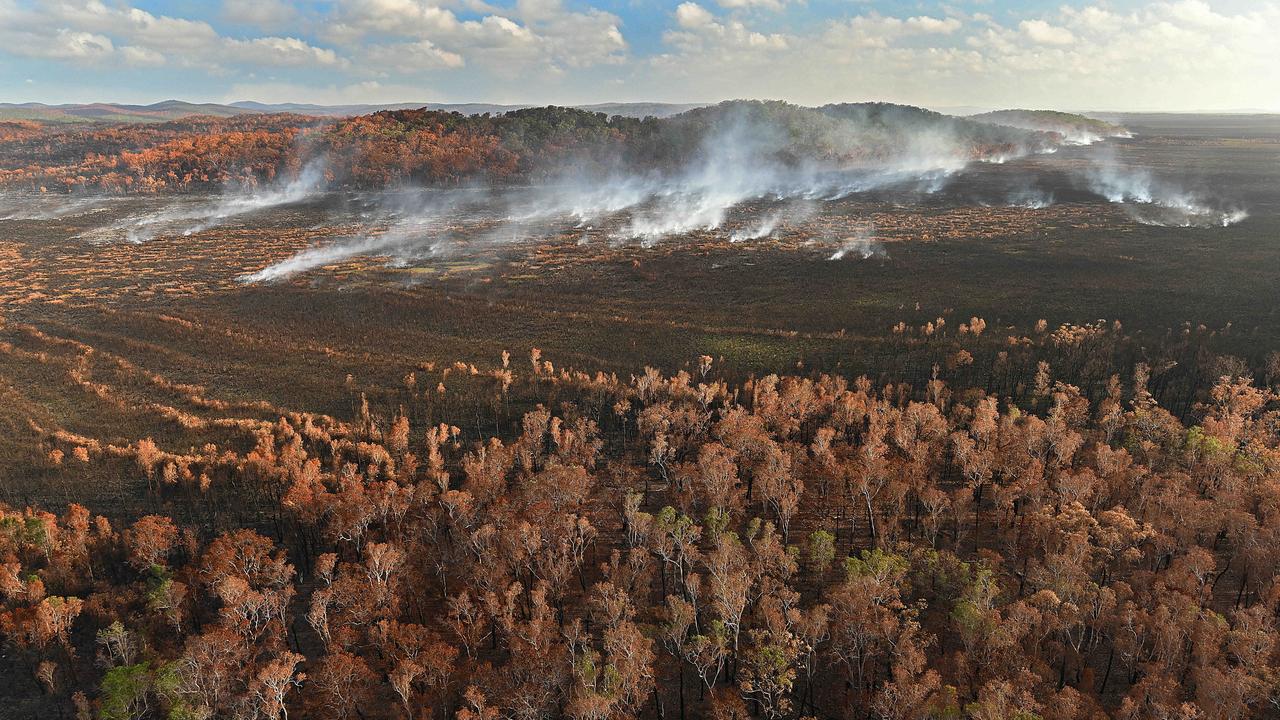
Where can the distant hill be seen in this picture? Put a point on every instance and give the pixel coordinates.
(843, 132)
(640, 110)
(425, 146)
(116, 113)
(900, 121)
(1071, 126)
(365, 109)
(177, 109)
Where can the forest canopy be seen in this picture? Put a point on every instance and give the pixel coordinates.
(432, 147)
(693, 544)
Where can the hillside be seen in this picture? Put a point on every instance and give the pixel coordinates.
(1069, 125)
(116, 113)
(437, 147)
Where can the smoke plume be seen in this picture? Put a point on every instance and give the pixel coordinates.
(1152, 200)
(861, 244)
(739, 172)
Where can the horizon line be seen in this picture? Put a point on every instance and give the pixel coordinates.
(978, 107)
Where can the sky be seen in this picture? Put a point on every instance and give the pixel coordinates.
(1176, 55)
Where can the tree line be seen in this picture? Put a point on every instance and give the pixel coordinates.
(426, 147)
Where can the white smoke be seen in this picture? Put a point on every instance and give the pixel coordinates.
(861, 244)
(186, 216)
(307, 184)
(1079, 136)
(762, 228)
(736, 166)
(315, 257)
(413, 227)
(1152, 200)
(50, 206)
(742, 165)
(793, 214)
(1030, 198)
(1068, 132)
(583, 199)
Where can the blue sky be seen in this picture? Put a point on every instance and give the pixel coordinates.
(1121, 55)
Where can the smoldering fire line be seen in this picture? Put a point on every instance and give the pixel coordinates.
(744, 157)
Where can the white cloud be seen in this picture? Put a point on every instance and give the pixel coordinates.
(572, 39)
(879, 31)
(72, 45)
(1042, 32)
(411, 57)
(692, 16)
(1174, 55)
(931, 25)
(535, 33)
(140, 56)
(1092, 19)
(773, 5)
(355, 19)
(703, 34)
(284, 52)
(90, 30)
(139, 27)
(266, 14)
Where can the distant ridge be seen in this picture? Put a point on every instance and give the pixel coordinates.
(1067, 124)
(365, 109)
(116, 113)
(177, 109)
